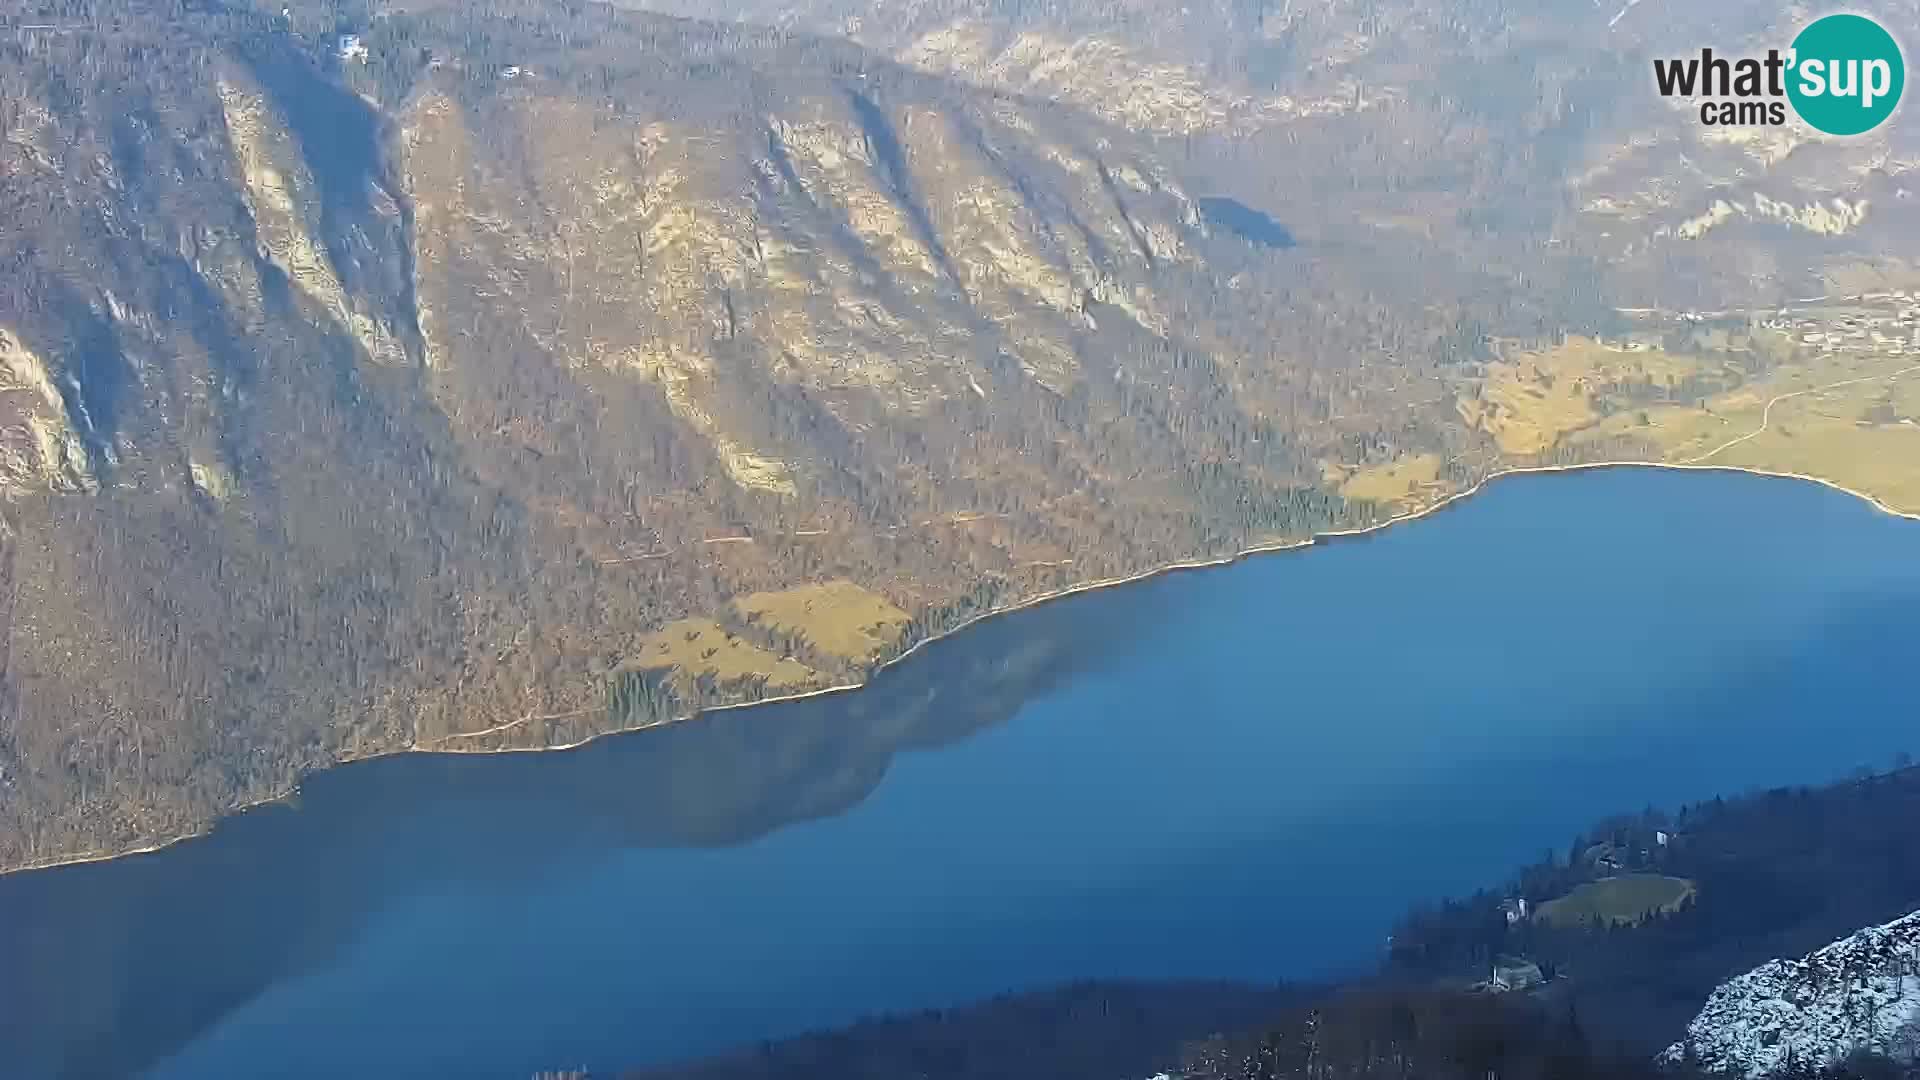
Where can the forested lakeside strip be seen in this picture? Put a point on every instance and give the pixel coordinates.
(919, 643)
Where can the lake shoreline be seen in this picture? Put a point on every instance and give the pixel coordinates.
(1050, 596)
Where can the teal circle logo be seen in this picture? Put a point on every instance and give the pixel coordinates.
(1846, 74)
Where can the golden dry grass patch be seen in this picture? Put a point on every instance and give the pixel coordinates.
(1864, 435)
(695, 647)
(1394, 482)
(1532, 401)
(1679, 432)
(838, 618)
(1882, 460)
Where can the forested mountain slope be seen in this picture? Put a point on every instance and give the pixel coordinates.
(439, 375)
(368, 399)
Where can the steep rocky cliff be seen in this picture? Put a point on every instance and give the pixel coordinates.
(1860, 994)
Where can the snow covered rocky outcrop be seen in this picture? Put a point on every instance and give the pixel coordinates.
(1861, 993)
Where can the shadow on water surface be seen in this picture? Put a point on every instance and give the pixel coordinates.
(111, 967)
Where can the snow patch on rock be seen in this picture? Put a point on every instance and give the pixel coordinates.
(1861, 993)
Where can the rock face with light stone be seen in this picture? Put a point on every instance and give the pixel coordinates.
(1859, 994)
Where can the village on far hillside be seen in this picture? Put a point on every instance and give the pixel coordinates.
(1886, 322)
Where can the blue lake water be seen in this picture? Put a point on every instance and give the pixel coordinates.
(1244, 772)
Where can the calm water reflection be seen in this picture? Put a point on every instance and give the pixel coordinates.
(1243, 772)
